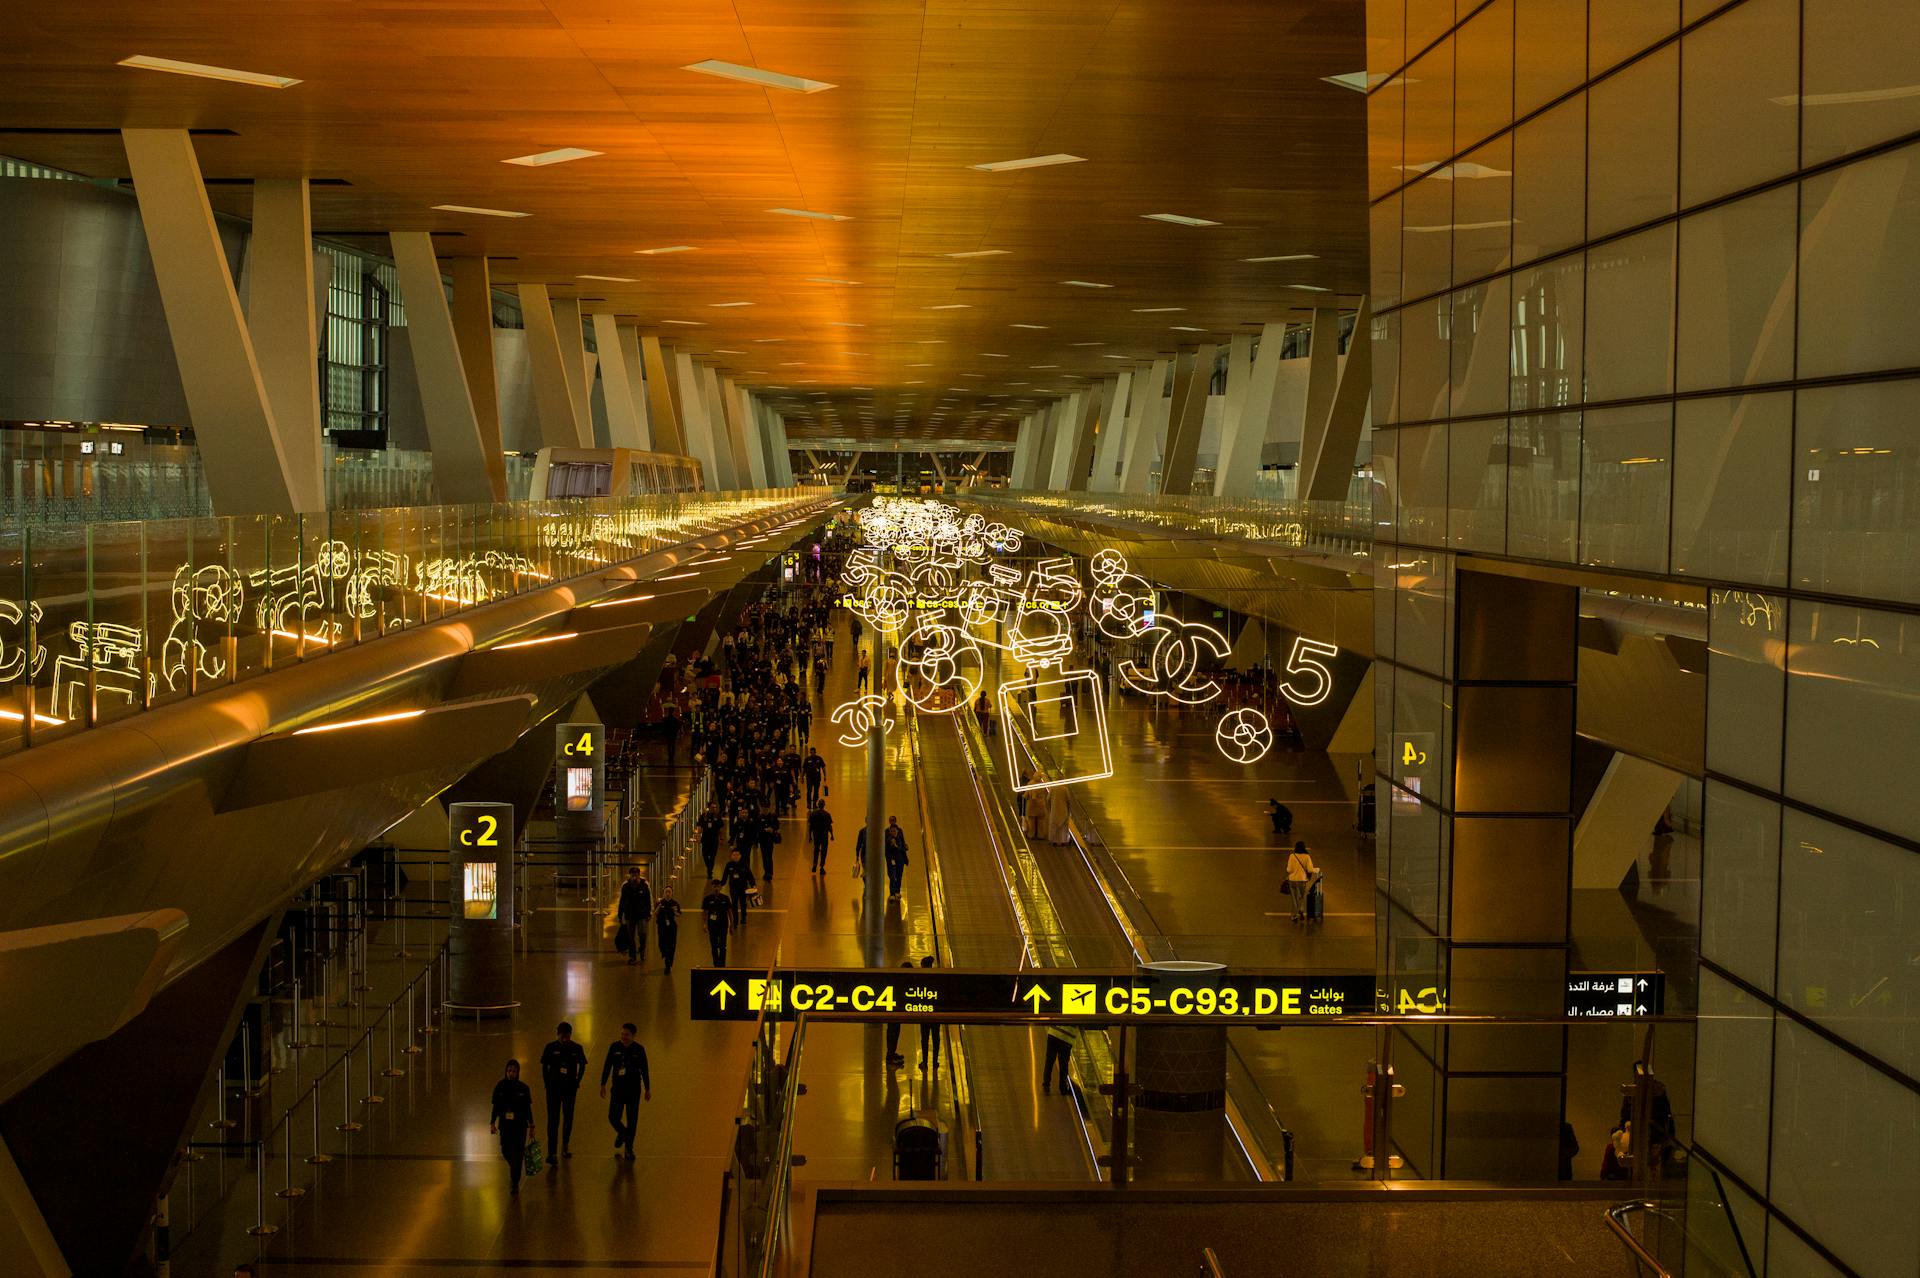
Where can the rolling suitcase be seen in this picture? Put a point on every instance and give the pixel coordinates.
(1316, 901)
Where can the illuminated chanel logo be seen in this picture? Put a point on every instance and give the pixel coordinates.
(936, 659)
(1173, 662)
(857, 718)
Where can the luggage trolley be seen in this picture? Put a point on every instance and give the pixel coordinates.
(919, 1148)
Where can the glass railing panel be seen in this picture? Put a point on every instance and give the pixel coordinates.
(118, 645)
(250, 561)
(19, 641)
(57, 580)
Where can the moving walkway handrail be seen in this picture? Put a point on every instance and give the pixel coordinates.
(1616, 1221)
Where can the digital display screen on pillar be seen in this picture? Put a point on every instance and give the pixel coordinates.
(730, 994)
(579, 789)
(480, 891)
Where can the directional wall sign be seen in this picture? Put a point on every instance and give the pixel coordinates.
(1610, 994)
(740, 994)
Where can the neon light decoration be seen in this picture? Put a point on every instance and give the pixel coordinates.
(1244, 735)
(1300, 661)
(858, 717)
(1066, 711)
(1173, 662)
(937, 657)
(1121, 602)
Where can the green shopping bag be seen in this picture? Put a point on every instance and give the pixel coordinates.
(536, 1158)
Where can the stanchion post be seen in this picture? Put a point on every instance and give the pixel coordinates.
(260, 1228)
(372, 1097)
(413, 1047)
(222, 1122)
(346, 1093)
(390, 1071)
(288, 1189)
(318, 1157)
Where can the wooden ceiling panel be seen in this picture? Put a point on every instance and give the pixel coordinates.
(1215, 111)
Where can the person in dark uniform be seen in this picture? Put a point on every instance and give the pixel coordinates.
(709, 827)
(626, 1070)
(672, 725)
(894, 1059)
(634, 912)
(894, 848)
(813, 767)
(929, 1038)
(820, 833)
(738, 876)
(766, 836)
(562, 1065)
(719, 915)
(512, 1120)
(803, 721)
(666, 924)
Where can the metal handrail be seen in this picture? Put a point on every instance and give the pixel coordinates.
(1616, 1221)
(1210, 1264)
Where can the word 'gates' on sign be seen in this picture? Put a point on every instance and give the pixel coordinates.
(730, 993)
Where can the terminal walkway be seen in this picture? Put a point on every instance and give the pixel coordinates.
(423, 1189)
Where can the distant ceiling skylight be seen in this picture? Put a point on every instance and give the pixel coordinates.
(981, 253)
(1178, 219)
(145, 63)
(1085, 284)
(611, 279)
(754, 75)
(819, 217)
(544, 158)
(468, 208)
(671, 248)
(1284, 257)
(1031, 162)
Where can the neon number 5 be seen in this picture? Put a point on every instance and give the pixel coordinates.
(1301, 661)
(486, 840)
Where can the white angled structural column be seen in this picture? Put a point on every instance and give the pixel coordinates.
(1143, 428)
(1333, 431)
(695, 422)
(1188, 419)
(241, 449)
(282, 326)
(1023, 440)
(1066, 440)
(623, 411)
(1113, 433)
(1244, 433)
(459, 462)
(473, 330)
(628, 339)
(571, 332)
(750, 460)
(668, 434)
(561, 415)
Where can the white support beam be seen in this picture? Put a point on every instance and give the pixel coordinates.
(1023, 438)
(1151, 408)
(1244, 433)
(1114, 402)
(453, 429)
(473, 331)
(1332, 440)
(623, 414)
(628, 340)
(280, 254)
(782, 450)
(668, 434)
(563, 418)
(1072, 420)
(751, 458)
(1040, 465)
(724, 449)
(1188, 417)
(695, 421)
(571, 331)
(239, 441)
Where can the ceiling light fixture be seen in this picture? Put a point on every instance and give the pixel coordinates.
(754, 75)
(1157, 310)
(1178, 219)
(1031, 162)
(1026, 326)
(1310, 288)
(1187, 328)
(671, 248)
(1089, 343)
(981, 253)
(721, 306)
(468, 208)
(1085, 284)
(611, 279)
(144, 62)
(991, 355)
(687, 323)
(824, 279)
(1284, 257)
(844, 324)
(951, 306)
(544, 158)
(818, 217)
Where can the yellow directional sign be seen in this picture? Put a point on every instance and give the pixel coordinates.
(723, 992)
(1035, 996)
